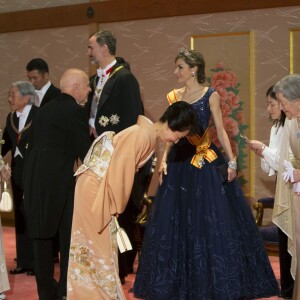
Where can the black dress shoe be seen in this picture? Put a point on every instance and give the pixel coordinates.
(30, 272)
(18, 271)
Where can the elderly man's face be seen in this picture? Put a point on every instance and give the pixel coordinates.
(16, 101)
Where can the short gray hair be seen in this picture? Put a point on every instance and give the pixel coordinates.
(26, 88)
(108, 38)
(289, 86)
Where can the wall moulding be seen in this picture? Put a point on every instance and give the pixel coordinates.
(74, 15)
(231, 56)
(295, 51)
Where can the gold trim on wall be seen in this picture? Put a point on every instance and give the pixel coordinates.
(295, 51)
(233, 53)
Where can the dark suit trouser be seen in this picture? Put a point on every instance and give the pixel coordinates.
(286, 279)
(24, 245)
(127, 222)
(48, 288)
(128, 217)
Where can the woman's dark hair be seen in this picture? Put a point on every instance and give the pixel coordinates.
(193, 59)
(180, 116)
(271, 93)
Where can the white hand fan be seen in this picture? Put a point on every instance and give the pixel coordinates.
(6, 203)
(122, 238)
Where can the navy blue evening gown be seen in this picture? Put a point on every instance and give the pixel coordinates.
(201, 241)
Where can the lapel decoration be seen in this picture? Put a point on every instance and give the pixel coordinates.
(113, 119)
(15, 129)
(97, 90)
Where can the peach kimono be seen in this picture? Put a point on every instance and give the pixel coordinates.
(102, 190)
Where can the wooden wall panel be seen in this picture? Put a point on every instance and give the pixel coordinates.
(120, 10)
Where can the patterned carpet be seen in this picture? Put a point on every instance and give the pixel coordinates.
(24, 287)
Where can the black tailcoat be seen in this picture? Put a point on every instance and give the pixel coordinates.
(120, 102)
(60, 135)
(10, 136)
(12, 139)
(51, 93)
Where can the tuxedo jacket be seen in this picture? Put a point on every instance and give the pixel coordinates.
(120, 102)
(12, 140)
(59, 136)
(51, 93)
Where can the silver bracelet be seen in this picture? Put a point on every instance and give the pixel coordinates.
(232, 164)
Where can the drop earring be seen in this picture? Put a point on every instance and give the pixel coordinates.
(193, 74)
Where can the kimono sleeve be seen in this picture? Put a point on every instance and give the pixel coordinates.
(116, 186)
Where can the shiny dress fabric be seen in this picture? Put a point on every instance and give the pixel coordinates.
(201, 241)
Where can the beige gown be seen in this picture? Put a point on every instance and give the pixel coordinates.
(4, 283)
(286, 212)
(102, 190)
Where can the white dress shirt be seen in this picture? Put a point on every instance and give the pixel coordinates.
(22, 120)
(41, 93)
(103, 75)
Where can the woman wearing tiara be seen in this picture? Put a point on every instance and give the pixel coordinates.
(201, 241)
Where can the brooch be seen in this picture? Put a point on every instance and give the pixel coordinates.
(103, 121)
(114, 119)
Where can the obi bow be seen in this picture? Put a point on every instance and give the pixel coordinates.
(202, 150)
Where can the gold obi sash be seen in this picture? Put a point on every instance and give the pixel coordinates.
(202, 149)
(99, 155)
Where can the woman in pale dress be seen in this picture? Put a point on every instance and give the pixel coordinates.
(269, 156)
(4, 284)
(286, 212)
(102, 191)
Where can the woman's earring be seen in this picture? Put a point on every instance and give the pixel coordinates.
(193, 74)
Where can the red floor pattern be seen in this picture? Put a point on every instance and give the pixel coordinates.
(24, 287)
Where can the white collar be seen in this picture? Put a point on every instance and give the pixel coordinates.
(25, 111)
(101, 72)
(44, 89)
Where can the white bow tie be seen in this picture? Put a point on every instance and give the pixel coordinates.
(19, 114)
(100, 73)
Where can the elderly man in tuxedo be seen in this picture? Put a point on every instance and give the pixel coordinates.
(21, 98)
(59, 136)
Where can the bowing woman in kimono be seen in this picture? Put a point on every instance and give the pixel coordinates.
(102, 191)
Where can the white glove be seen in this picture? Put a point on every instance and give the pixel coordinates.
(288, 175)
